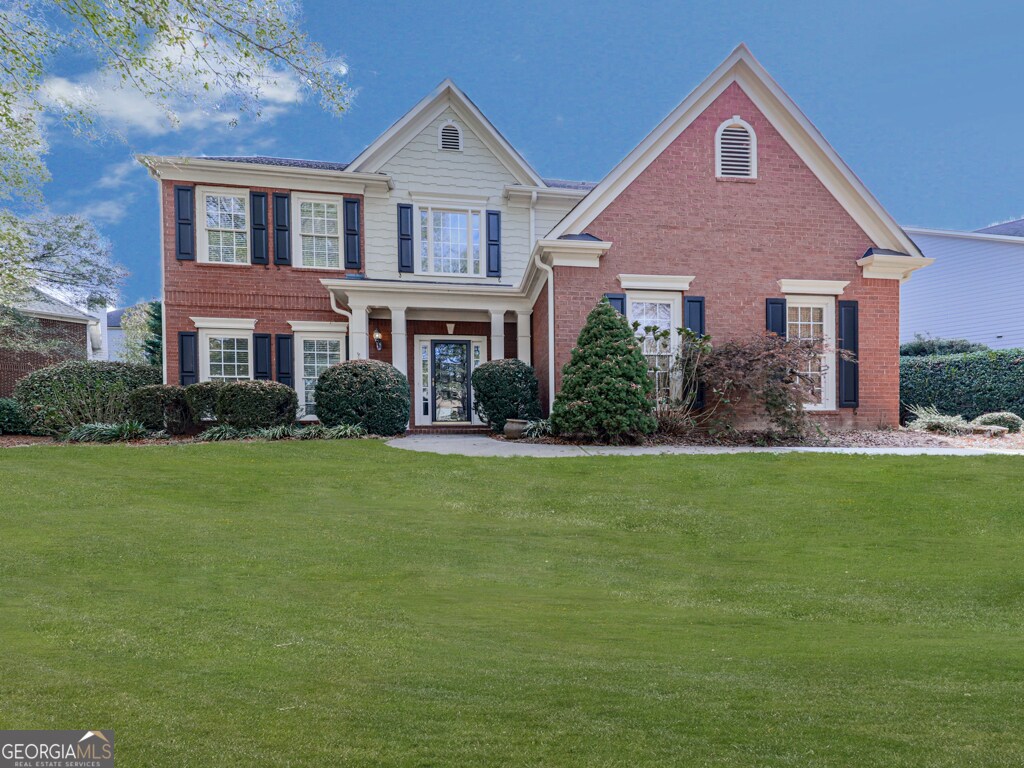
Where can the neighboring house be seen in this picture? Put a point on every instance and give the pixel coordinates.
(440, 247)
(983, 270)
(59, 320)
(115, 334)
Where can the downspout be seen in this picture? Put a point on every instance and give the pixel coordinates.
(551, 328)
(339, 310)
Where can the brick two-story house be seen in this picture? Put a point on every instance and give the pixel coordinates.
(440, 247)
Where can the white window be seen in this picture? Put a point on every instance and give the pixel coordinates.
(736, 150)
(225, 348)
(449, 137)
(317, 231)
(449, 241)
(316, 356)
(814, 317)
(658, 315)
(223, 226)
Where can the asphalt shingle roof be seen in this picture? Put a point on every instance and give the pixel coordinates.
(1011, 228)
(45, 304)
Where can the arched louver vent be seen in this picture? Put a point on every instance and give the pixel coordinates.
(450, 138)
(736, 150)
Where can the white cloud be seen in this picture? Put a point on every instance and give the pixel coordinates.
(119, 174)
(108, 211)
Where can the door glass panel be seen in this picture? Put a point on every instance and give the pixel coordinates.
(451, 381)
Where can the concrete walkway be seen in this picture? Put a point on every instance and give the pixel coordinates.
(479, 445)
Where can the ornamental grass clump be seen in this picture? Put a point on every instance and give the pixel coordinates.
(606, 393)
(929, 419)
(122, 432)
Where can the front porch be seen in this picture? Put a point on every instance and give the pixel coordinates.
(437, 337)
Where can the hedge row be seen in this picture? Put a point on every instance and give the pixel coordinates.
(967, 385)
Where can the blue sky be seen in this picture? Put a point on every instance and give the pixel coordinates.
(922, 99)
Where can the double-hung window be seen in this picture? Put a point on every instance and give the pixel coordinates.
(450, 241)
(317, 355)
(813, 317)
(318, 231)
(224, 226)
(658, 315)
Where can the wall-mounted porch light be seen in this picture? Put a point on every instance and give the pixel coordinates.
(378, 338)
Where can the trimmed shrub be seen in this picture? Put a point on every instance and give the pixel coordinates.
(503, 390)
(1011, 421)
(63, 396)
(923, 347)
(161, 406)
(970, 384)
(365, 393)
(12, 418)
(256, 404)
(122, 432)
(202, 400)
(606, 392)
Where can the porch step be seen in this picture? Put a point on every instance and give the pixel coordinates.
(435, 430)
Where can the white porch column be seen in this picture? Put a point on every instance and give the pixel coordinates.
(497, 335)
(523, 335)
(358, 331)
(399, 351)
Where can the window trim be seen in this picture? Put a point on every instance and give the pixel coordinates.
(735, 120)
(457, 127)
(659, 297)
(313, 334)
(202, 242)
(296, 226)
(449, 206)
(829, 358)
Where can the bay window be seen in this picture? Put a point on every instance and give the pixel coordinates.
(223, 226)
(450, 241)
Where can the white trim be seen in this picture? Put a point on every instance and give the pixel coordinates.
(735, 120)
(199, 170)
(296, 226)
(741, 67)
(224, 323)
(658, 297)
(203, 242)
(571, 253)
(416, 377)
(315, 326)
(814, 287)
(60, 318)
(440, 130)
(829, 358)
(446, 95)
(297, 351)
(227, 332)
(656, 282)
(882, 266)
(982, 236)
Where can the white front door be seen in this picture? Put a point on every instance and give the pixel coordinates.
(444, 370)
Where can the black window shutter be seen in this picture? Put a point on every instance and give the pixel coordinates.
(188, 358)
(849, 395)
(184, 223)
(693, 318)
(775, 316)
(693, 313)
(405, 251)
(618, 302)
(258, 214)
(282, 222)
(261, 356)
(352, 255)
(494, 243)
(285, 358)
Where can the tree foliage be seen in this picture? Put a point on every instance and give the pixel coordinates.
(141, 326)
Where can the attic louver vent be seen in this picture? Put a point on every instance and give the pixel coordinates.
(736, 150)
(450, 138)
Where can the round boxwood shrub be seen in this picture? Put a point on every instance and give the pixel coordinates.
(202, 400)
(606, 391)
(63, 396)
(1011, 421)
(503, 390)
(161, 406)
(970, 384)
(12, 418)
(256, 404)
(365, 393)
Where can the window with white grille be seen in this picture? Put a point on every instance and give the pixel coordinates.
(450, 137)
(736, 150)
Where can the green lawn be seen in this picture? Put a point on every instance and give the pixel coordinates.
(346, 603)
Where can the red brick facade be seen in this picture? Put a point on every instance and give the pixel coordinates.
(14, 365)
(738, 237)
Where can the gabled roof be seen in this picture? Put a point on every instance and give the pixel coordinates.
(741, 67)
(446, 95)
(284, 162)
(39, 303)
(1011, 228)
